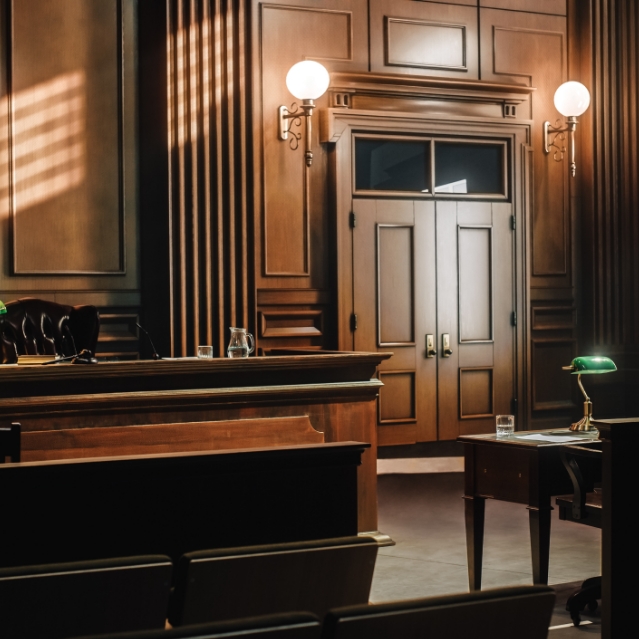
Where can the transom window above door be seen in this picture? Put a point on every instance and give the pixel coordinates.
(429, 167)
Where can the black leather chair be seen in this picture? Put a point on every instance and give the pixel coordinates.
(231, 583)
(39, 327)
(523, 612)
(583, 506)
(10, 437)
(294, 625)
(82, 598)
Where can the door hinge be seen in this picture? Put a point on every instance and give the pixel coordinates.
(353, 322)
(513, 318)
(513, 222)
(352, 220)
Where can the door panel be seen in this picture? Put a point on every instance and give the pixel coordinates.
(440, 268)
(394, 300)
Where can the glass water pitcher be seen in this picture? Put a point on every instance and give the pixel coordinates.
(241, 343)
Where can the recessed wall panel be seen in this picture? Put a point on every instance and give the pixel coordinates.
(395, 277)
(416, 43)
(475, 392)
(397, 397)
(475, 283)
(64, 147)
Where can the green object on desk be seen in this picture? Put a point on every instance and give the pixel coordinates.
(3, 308)
(591, 364)
(588, 365)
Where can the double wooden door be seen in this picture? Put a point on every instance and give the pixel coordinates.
(433, 283)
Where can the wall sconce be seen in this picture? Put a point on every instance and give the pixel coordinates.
(307, 81)
(571, 100)
(591, 365)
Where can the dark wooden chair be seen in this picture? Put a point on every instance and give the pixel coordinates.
(313, 576)
(82, 598)
(583, 506)
(295, 625)
(521, 611)
(33, 326)
(10, 437)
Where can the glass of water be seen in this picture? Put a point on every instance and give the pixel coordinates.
(505, 425)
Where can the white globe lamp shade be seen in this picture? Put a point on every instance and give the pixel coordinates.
(572, 99)
(307, 80)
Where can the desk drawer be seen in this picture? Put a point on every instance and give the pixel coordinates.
(502, 473)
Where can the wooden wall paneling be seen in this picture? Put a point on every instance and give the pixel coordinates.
(294, 318)
(68, 113)
(424, 38)
(552, 391)
(553, 7)
(294, 249)
(530, 49)
(208, 122)
(119, 336)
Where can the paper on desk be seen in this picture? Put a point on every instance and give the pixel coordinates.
(555, 439)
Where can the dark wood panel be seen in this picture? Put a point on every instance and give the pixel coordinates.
(291, 323)
(119, 335)
(475, 265)
(424, 38)
(546, 318)
(289, 296)
(334, 33)
(172, 504)
(552, 388)
(476, 393)
(150, 439)
(555, 7)
(397, 398)
(395, 285)
(65, 163)
(530, 49)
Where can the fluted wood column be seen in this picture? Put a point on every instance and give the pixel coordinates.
(209, 264)
(612, 255)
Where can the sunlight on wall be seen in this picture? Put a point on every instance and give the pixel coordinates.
(43, 152)
(189, 83)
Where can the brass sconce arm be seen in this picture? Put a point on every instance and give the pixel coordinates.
(287, 118)
(552, 134)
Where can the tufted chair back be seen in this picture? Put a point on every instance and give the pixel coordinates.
(38, 327)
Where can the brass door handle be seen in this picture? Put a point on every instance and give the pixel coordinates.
(447, 350)
(430, 346)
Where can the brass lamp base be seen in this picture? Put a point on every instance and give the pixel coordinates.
(584, 424)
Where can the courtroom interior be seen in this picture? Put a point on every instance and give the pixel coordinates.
(431, 239)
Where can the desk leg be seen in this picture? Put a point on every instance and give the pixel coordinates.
(475, 508)
(539, 519)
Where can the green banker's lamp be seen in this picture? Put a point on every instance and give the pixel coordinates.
(591, 365)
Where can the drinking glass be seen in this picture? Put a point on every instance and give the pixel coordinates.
(505, 425)
(205, 352)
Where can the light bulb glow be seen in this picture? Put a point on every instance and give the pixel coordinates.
(572, 99)
(307, 80)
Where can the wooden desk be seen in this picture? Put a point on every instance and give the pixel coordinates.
(332, 394)
(515, 470)
(81, 509)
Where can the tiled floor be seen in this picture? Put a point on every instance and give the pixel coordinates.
(424, 515)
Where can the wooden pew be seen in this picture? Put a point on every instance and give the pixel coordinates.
(174, 503)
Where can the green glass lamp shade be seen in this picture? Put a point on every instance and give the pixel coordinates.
(3, 308)
(591, 364)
